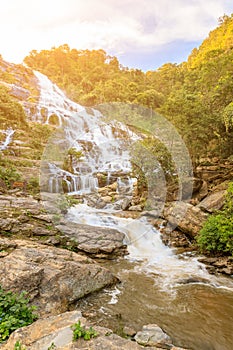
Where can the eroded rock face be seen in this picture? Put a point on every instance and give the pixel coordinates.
(53, 277)
(186, 217)
(57, 330)
(213, 202)
(25, 216)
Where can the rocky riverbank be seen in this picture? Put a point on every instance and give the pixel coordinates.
(52, 259)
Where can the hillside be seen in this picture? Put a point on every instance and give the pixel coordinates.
(196, 96)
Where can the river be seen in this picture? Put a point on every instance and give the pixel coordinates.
(157, 285)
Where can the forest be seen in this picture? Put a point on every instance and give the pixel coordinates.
(196, 96)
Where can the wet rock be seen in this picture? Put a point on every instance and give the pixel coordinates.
(153, 335)
(135, 208)
(216, 265)
(107, 199)
(213, 202)
(94, 240)
(54, 278)
(126, 203)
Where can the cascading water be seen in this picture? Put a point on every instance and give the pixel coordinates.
(164, 284)
(9, 134)
(103, 146)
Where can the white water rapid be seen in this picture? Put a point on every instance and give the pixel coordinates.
(9, 134)
(105, 151)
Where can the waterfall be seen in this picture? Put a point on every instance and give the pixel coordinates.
(104, 146)
(9, 134)
(104, 150)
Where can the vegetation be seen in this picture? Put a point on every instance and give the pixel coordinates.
(11, 112)
(8, 173)
(196, 96)
(217, 234)
(15, 313)
(81, 332)
(19, 346)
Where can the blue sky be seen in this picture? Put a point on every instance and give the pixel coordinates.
(143, 34)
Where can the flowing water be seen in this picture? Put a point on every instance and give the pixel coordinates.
(157, 285)
(9, 134)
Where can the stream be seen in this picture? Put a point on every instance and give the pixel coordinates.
(157, 285)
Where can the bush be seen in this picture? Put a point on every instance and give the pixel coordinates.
(15, 313)
(216, 236)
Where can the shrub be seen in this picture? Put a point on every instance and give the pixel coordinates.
(9, 174)
(217, 232)
(15, 313)
(81, 332)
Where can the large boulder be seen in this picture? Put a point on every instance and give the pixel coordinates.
(54, 278)
(188, 218)
(97, 241)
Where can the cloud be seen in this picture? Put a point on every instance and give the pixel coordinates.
(116, 26)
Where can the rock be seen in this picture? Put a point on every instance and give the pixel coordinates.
(19, 92)
(103, 191)
(126, 203)
(222, 264)
(153, 335)
(57, 329)
(186, 217)
(113, 186)
(129, 331)
(94, 240)
(135, 208)
(42, 333)
(203, 192)
(107, 199)
(213, 202)
(54, 278)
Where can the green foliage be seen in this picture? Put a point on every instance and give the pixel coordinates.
(196, 96)
(15, 313)
(217, 233)
(11, 112)
(33, 185)
(81, 332)
(19, 346)
(64, 202)
(52, 347)
(9, 174)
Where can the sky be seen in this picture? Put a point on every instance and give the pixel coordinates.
(143, 34)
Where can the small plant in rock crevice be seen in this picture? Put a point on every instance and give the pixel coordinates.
(80, 331)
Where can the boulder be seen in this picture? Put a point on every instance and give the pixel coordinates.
(54, 278)
(213, 202)
(153, 335)
(186, 217)
(98, 241)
